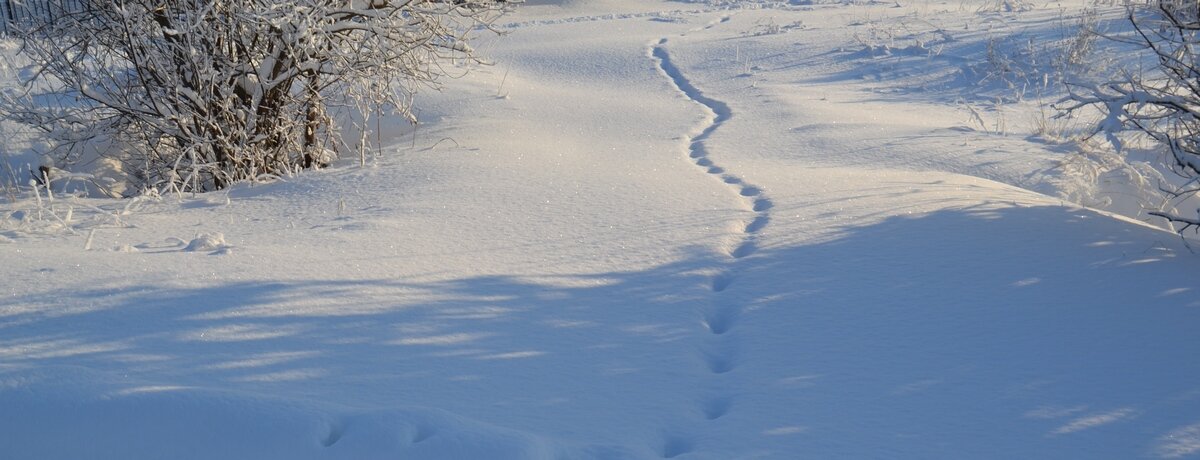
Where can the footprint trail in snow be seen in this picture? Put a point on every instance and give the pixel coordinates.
(719, 351)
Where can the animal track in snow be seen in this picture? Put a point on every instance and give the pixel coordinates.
(721, 282)
(746, 248)
(762, 205)
(716, 407)
(720, 360)
(333, 436)
(675, 445)
(719, 352)
(423, 432)
(669, 16)
(757, 224)
(720, 321)
(698, 152)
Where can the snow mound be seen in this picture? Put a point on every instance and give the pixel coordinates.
(207, 242)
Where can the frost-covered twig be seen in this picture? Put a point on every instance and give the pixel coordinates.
(1161, 102)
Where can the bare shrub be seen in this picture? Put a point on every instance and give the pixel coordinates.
(199, 94)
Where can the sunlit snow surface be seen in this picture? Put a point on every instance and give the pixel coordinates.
(651, 229)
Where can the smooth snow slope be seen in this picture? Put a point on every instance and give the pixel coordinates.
(647, 231)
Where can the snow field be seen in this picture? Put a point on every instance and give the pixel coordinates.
(648, 230)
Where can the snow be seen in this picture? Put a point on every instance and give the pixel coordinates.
(647, 230)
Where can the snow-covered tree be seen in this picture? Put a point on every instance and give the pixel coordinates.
(1163, 101)
(198, 94)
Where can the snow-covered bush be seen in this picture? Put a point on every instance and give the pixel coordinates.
(198, 94)
(1161, 102)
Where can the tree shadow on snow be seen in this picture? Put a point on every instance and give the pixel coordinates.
(984, 333)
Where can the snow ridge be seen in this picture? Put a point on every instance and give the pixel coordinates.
(719, 350)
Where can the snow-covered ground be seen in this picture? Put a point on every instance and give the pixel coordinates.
(651, 229)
